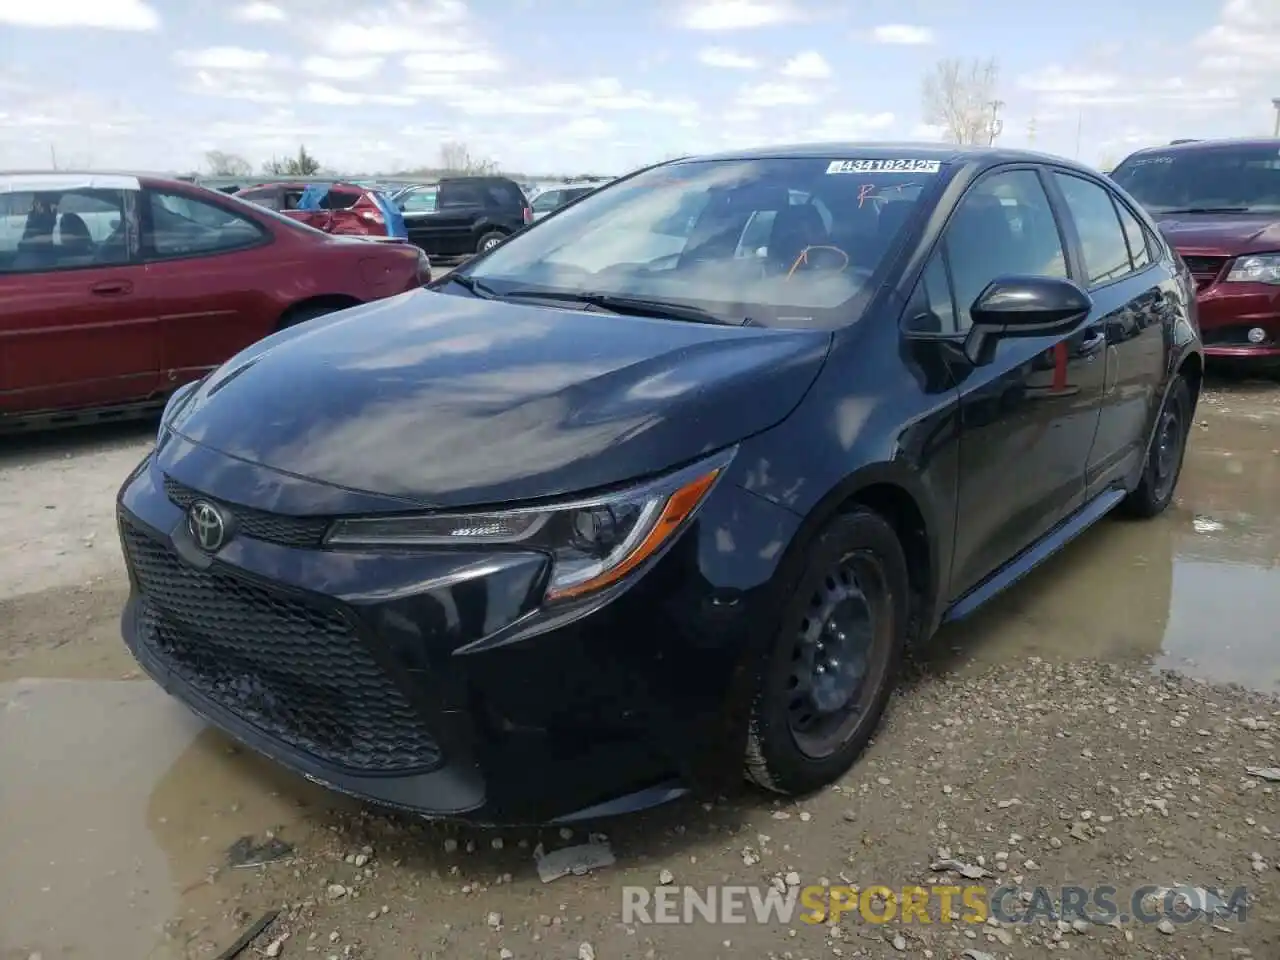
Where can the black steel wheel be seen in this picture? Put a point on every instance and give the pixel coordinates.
(1164, 458)
(828, 677)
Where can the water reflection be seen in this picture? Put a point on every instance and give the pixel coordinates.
(1196, 590)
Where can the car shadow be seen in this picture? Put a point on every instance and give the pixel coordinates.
(34, 447)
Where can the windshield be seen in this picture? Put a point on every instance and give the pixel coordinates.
(782, 241)
(1241, 177)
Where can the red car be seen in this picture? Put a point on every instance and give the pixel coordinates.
(115, 290)
(1218, 203)
(344, 209)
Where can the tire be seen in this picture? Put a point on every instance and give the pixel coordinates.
(1164, 460)
(297, 315)
(490, 239)
(853, 591)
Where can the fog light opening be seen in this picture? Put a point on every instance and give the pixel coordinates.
(1257, 335)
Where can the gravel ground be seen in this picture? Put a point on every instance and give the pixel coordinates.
(1078, 732)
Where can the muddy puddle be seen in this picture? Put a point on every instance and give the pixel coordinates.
(1196, 590)
(118, 809)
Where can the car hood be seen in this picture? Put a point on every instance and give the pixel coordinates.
(1226, 235)
(447, 400)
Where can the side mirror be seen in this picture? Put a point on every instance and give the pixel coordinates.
(1023, 306)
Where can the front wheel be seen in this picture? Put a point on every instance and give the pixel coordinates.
(489, 241)
(1164, 460)
(827, 680)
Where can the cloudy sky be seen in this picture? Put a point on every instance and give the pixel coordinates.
(556, 85)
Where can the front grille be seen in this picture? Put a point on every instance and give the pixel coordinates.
(297, 672)
(271, 527)
(1205, 269)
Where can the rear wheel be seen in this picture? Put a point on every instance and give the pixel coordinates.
(834, 662)
(308, 311)
(490, 240)
(1164, 460)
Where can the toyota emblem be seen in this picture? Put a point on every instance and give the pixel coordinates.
(206, 525)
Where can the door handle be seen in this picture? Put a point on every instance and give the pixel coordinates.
(111, 288)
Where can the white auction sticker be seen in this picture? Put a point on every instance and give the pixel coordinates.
(884, 166)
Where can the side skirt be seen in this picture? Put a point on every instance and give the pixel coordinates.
(1034, 555)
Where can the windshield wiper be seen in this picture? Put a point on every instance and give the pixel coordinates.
(471, 284)
(1207, 210)
(635, 306)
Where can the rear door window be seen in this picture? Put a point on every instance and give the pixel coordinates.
(181, 226)
(546, 202)
(460, 195)
(504, 195)
(420, 200)
(61, 230)
(1106, 252)
(1137, 237)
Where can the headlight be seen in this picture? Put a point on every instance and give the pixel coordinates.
(593, 542)
(1258, 268)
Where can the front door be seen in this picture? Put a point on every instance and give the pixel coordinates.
(1028, 418)
(77, 326)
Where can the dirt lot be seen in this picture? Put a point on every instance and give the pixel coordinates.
(1094, 726)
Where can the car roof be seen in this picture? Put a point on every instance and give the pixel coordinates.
(1208, 146)
(23, 181)
(478, 178)
(882, 150)
(303, 184)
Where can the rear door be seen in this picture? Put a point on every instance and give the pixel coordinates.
(1131, 294)
(207, 266)
(77, 328)
(1028, 418)
(460, 208)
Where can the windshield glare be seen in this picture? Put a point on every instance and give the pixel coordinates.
(1246, 176)
(780, 240)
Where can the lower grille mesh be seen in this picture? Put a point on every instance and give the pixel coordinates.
(299, 673)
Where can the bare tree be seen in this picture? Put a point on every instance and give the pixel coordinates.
(960, 97)
(223, 164)
(457, 158)
(301, 165)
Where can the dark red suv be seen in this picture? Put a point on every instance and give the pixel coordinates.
(1218, 203)
(115, 289)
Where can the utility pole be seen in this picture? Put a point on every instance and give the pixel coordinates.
(997, 125)
(53, 156)
(1031, 130)
(1275, 102)
(1079, 127)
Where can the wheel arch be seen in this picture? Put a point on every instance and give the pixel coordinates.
(899, 497)
(327, 301)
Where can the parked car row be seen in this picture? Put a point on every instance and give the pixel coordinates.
(448, 219)
(116, 290)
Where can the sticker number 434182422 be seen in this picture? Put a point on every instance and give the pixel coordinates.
(884, 166)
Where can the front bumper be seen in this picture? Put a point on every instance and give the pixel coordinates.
(1228, 311)
(430, 680)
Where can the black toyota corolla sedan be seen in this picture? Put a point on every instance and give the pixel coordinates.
(657, 491)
